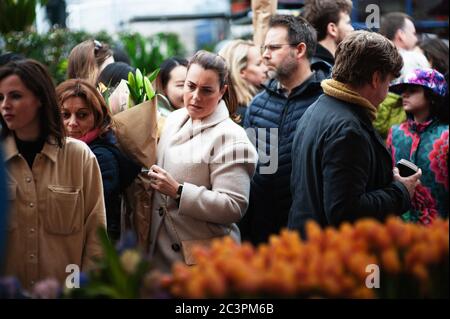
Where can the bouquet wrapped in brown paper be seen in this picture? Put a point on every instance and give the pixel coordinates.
(118, 99)
(136, 129)
(262, 11)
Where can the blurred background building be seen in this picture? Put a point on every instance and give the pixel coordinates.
(204, 23)
(149, 31)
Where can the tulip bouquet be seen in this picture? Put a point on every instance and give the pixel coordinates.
(365, 260)
(140, 86)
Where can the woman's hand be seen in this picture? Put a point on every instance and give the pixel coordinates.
(163, 182)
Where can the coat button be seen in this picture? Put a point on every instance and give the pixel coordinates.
(176, 247)
(161, 211)
(28, 180)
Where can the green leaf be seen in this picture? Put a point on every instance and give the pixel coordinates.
(135, 280)
(17, 15)
(148, 88)
(153, 75)
(115, 271)
(134, 94)
(139, 80)
(130, 102)
(102, 290)
(131, 80)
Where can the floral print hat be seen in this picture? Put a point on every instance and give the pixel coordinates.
(428, 78)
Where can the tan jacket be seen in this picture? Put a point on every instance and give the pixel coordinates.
(56, 209)
(215, 161)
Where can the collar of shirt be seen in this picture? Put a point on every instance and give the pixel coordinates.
(50, 148)
(282, 90)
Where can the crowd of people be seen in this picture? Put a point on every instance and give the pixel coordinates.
(335, 107)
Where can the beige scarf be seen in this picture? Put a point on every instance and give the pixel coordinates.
(341, 92)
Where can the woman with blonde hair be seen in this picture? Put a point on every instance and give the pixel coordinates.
(88, 59)
(247, 72)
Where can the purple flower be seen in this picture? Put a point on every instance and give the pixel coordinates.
(47, 289)
(10, 288)
(127, 241)
(84, 279)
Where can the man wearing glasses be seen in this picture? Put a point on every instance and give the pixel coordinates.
(288, 47)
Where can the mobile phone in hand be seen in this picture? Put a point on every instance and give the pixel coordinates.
(406, 168)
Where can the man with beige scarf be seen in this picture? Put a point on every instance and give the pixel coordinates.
(341, 170)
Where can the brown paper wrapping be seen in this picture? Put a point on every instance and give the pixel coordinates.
(136, 130)
(262, 10)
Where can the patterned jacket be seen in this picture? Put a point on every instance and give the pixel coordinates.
(426, 145)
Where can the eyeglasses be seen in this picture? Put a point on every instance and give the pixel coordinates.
(274, 47)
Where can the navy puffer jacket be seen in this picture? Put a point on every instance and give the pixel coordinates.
(118, 171)
(270, 196)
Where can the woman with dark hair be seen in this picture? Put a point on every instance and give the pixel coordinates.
(10, 56)
(86, 117)
(115, 72)
(436, 52)
(169, 85)
(114, 78)
(120, 55)
(55, 186)
(204, 165)
(423, 140)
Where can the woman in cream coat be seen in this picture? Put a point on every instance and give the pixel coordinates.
(204, 165)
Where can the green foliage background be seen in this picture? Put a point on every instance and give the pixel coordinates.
(18, 15)
(53, 48)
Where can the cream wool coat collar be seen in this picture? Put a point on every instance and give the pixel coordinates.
(183, 129)
(189, 128)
